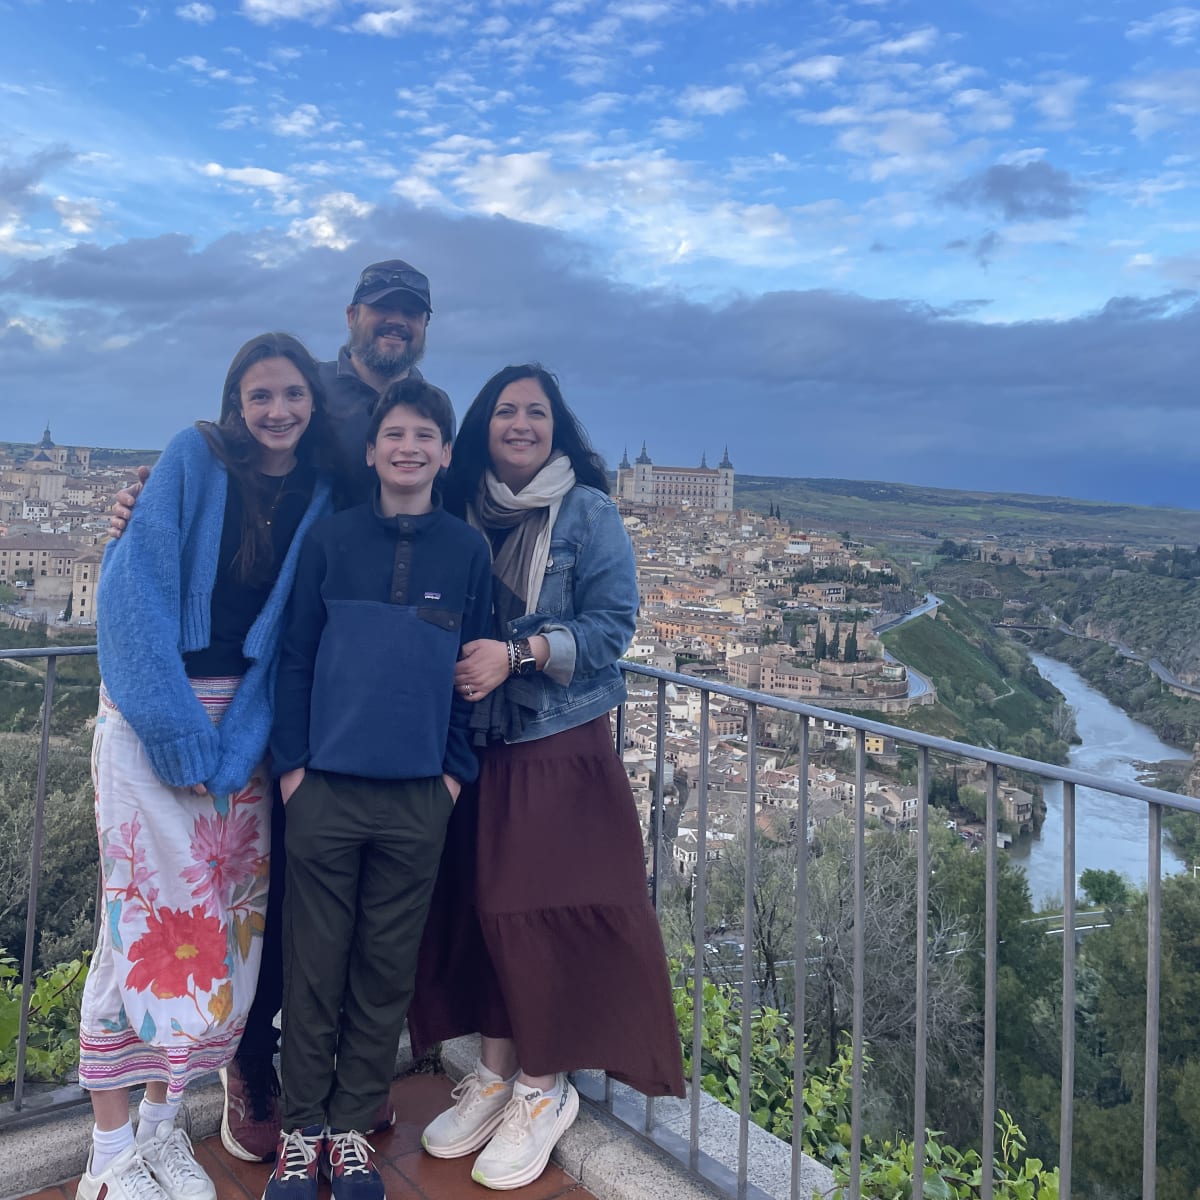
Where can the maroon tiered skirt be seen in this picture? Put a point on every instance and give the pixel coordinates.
(541, 927)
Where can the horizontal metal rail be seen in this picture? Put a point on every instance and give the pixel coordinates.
(733, 1178)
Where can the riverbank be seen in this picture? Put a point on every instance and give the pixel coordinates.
(1111, 832)
(1129, 683)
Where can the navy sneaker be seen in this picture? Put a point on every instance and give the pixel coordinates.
(297, 1159)
(352, 1175)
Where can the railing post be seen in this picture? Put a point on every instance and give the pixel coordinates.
(35, 870)
(991, 953)
(919, 1082)
(747, 957)
(860, 954)
(656, 815)
(800, 964)
(700, 917)
(1066, 1111)
(1153, 979)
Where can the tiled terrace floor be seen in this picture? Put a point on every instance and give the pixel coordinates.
(410, 1173)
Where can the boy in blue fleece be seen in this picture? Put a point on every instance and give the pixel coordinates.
(371, 746)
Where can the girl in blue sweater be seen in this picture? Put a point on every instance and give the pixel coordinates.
(191, 601)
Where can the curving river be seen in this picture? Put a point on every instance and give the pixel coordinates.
(1110, 831)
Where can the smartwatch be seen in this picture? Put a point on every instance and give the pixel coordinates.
(520, 658)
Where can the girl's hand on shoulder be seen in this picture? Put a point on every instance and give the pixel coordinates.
(482, 668)
(199, 789)
(289, 781)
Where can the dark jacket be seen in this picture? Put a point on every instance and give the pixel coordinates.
(349, 402)
(379, 611)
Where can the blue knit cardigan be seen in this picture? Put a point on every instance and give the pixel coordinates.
(153, 604)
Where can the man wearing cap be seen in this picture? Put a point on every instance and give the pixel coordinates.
(387, 317)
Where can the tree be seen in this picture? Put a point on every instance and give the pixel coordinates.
(820, 649)
(1107, 888)
(835, 647)
(851, 653)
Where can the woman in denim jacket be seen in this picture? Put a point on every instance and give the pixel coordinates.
(541, 936)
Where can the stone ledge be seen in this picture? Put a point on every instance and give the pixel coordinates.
(615, 1163)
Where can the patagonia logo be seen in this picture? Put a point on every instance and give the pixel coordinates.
(433, 595)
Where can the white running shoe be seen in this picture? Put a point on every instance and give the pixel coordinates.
(127, 1178)
(479, 1107)
(520, 1148)
(173, 1164)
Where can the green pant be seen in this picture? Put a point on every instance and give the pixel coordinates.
(362, 856)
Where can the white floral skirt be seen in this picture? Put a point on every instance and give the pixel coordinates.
(185, 896)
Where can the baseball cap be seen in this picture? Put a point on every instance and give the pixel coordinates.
(386, 278)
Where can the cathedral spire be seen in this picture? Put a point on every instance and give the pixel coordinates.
(725, 464)
(643, 459)
(624, 463)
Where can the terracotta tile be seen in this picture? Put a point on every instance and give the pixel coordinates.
(417, 1099)
(234, 1178)
(450, 1179)
(66, 1192)
(398, 1188)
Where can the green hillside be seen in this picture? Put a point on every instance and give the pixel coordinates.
(903, 511)
(986, 685)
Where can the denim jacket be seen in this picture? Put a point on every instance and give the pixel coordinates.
(587, 608)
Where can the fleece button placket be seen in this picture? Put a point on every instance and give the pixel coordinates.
(402, 562)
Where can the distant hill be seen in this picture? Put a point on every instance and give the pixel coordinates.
(902, 511)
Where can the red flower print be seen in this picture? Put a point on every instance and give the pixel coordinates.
(176, 945)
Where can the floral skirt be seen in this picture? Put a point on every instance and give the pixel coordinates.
(184, 881)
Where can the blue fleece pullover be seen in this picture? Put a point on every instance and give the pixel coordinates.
(154, 602)
(380, 610)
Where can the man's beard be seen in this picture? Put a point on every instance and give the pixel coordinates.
(390, 364)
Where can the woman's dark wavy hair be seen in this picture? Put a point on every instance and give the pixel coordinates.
(471, 460)
(235, 446)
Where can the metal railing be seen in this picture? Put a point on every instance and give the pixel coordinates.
(735, 1182)
(925, 744)
(15, 1110)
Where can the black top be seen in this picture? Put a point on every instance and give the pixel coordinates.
(236, 602)
(350, 401)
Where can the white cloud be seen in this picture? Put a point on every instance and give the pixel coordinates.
(198, 14)
(266, 12)
(983, 111)
(399, 18)
(671, 129)
(203, 67)
(252, 177)
(303, 121)
(1180, 26)
(916, 42)
(1160, 101)
(714, 101)
(1056, 100)
(78, 216)
(333, 223)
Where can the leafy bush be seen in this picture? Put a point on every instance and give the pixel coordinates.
(53, 1047)
(887, 1167)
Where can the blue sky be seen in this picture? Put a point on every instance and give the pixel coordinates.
(945, 243)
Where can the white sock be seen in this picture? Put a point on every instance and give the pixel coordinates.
(151, 1116)
(108, 1145)
(490, 1076)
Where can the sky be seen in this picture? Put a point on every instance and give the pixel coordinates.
(945, 242)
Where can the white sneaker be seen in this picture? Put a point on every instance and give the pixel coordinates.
(171, 1161)
(532, 1124)
(478, 1109)
(127, 1178)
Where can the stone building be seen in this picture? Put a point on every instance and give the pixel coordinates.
(702, 488)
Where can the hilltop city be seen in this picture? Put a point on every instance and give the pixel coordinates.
(732, 595)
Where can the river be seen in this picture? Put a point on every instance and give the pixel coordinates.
(1110, 831)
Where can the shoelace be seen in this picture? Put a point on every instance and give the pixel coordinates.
(175, 1155)
(517, 1122)
(350, 1151)
(138, 1182)
(298, 1153)
(467, 1092)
